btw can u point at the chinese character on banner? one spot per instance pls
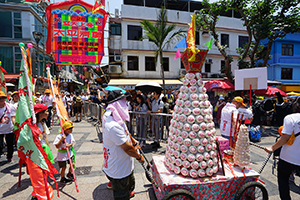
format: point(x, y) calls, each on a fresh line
point(84, 34)
point(96, 34)
point(72, 33)
point(59, 32)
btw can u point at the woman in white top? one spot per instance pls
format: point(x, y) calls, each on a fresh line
point(6, 127)
point(41, 113)
point(141, 107)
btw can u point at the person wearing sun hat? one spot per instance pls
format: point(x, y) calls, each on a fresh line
point(6, 127)
point(118, 150)
point(62, 154)
point(38, 97)
point(14, 103)
point(227, 120)
point(36, 174)
point(242, 110)
point(41, 113)
point(49, 102)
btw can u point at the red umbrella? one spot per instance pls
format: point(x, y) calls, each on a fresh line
point(219, 85)
point(270, 91)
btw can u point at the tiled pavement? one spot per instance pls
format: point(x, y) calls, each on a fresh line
point(92, 184)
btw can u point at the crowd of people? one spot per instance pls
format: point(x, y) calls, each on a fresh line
point(119, 147)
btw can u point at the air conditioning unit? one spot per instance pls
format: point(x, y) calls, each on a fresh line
point(115, 69)
point(117, 13)
point(182, 72)
point(205, 34)
point(118, 58)
point(208, 61)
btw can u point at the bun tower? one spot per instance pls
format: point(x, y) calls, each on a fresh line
point(192, 149)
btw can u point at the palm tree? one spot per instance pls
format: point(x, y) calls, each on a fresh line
point(161, 35)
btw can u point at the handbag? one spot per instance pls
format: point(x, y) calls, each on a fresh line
point(289, 142)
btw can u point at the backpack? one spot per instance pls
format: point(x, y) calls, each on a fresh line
point(78, 101)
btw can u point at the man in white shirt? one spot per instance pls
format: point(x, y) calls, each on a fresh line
point(227, 119)
point(242, 110)
point(118, 150)
point(289, 155)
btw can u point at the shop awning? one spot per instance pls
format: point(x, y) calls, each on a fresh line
point(9, 85)
point(129, 84)
point(12, 76)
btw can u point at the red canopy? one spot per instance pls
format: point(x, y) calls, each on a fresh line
point(270, 91)
point(219, 85)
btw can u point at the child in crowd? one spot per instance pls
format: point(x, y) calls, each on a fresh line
point(62, 156)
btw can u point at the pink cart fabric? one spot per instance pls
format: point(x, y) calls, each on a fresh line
point(209, 188)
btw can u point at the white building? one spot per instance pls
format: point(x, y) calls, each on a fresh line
point(134, 58)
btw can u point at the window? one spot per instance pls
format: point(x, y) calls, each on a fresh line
point(150, 64)
point(242, 41)
point(133, 63)
point(6, 56)
point(166, 64)
point(227, 13)
point(287, 49)
point(225, 40)
point(222, 64)
point(18, 58)
point(287, 73)
point(197, 38)
point(115, 29)
point(134, 32)
point(207, 67)
point(5, 24)
point(181, 65)
point(17, 25)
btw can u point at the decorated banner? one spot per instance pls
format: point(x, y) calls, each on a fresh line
point(27, 133)
point(75, 34)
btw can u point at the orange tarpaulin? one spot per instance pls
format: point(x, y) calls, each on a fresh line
point(62, 109)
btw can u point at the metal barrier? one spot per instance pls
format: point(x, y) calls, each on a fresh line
point(92, 110)
point(142, 126)
point(149, 127)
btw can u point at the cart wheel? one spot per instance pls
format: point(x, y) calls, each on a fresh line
point(149, 169)
point(252, 190)
point(180, 194)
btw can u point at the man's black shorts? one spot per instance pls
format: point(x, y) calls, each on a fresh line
point(77, 109)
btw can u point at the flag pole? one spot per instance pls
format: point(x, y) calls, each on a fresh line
point(61, 126)
point(22, 46)
point(26, 72)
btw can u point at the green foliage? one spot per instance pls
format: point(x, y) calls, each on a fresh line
point(264, 20)
point(206, 19)
point(162, 35)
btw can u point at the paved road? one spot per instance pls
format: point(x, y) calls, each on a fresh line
point(92, 181)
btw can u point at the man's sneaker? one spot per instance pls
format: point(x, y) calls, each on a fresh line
point(34, 198)
point(64, 181)
point(109, 185)
point(131, 194)
point(70, 176)
point(10, 160)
